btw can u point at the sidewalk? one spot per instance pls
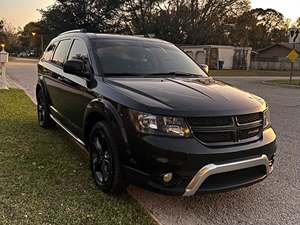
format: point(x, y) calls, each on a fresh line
point(11, 84)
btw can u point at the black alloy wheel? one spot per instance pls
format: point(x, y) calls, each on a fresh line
point(104, 160)
point(102, 164)
point(44, 118)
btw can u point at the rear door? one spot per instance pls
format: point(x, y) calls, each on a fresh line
point(54, 80)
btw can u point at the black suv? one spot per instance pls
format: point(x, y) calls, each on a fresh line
point(150, 116)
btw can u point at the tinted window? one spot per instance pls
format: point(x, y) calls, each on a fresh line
point(61, 52)
point(78, 51)
point(121, 57)
point(48, 54)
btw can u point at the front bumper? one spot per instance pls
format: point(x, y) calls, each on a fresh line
point(198, 168)
point(213, 169)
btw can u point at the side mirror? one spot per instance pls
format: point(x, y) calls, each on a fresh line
point(75, 67)
point(204, 67)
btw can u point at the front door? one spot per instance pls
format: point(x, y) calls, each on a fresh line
point(75, 94)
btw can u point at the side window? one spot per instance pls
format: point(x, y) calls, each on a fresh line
point(48, 54)
point(61, 52)
point(79, 51)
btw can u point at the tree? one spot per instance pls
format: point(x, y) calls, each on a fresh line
point(258, 28)
point(183, 21)
point(179, 21)
point(298, 22)
point(93, 15)
point(8, 36)
point(139, 15)
point(1, 24)
point(210, 26)
point(2, 34)
point(28, 41)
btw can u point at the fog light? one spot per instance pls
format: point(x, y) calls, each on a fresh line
point(168, 177)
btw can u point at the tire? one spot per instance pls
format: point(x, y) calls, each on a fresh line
point(43, 112)
point(104, 160)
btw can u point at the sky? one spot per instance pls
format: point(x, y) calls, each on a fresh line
point(20, 12)
point(289, 8)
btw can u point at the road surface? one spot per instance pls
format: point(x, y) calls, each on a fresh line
point(274, 201)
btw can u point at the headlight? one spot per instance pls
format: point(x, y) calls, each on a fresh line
point(267, 119)
point(159, 125)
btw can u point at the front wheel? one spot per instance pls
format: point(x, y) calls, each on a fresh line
point(44, 119)
point(104, 159)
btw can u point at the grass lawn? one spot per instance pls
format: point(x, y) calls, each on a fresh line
point(286, 82)
point(259, 73)
point(45, 177)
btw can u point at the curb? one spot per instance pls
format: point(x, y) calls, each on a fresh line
point(156, 220)
point(23, 60)
point(22, 88)
point(280, 85)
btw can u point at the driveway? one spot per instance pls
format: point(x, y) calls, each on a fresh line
point(274, 201)
point(24, 74)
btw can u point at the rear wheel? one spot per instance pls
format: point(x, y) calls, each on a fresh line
point(104, 159)
point(44, 119)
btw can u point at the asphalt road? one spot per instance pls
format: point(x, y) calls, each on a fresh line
point(274, 201)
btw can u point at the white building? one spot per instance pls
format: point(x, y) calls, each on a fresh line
point(215, 55)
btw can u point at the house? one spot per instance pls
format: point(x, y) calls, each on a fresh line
point(274, 57)
point(220, 56)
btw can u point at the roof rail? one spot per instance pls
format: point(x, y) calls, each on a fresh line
point(74, 31)
point(145, 35)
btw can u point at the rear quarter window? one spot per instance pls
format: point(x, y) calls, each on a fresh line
point(61, 52)
point(48, 54)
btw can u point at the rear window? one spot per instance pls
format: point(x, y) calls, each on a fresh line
point(61, 52)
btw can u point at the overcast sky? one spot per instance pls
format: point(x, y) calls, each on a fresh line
point(20, 12)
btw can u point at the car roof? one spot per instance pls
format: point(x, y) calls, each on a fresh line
point(108, 36)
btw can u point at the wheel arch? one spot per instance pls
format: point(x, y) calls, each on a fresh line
point(102, 110)
point(41, 87)
point(38, 89)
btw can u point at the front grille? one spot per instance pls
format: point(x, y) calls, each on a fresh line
point(215, 137)
point(228, 130)
point(250, 118)
point(210, 121)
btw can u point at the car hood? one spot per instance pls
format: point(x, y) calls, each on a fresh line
point(184, 96)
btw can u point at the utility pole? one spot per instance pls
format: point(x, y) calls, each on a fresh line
point(42, 44)
point(292, 66)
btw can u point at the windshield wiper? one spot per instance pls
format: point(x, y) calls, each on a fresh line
point(175, 73)
point(125, 74)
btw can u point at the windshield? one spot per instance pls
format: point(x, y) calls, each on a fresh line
point(137, 58)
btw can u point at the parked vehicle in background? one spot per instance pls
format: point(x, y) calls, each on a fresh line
point(22, 54)
point(29, 53)
point(150, 116)
point(32, 53)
